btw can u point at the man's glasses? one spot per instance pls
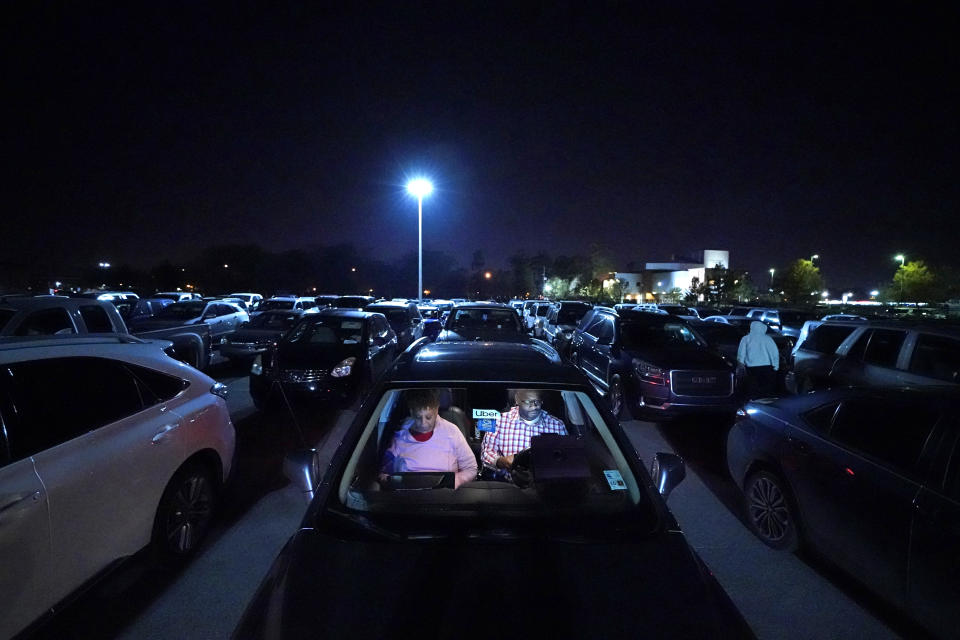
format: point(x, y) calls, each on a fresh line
point(533, 402)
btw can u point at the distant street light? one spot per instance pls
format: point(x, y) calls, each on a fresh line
point(901, 258)
point(226, 266)
point(874, 293)
point(104, 265)
point(771, 278)
point(419, 188)
point(487, 275)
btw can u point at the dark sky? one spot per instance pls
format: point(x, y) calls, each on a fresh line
point(145, 133)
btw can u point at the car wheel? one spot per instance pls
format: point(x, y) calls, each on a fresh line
point(185, 513)
point(770, 511)
point(615, 395)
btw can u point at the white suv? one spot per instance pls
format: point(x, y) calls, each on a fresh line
point(107, 445)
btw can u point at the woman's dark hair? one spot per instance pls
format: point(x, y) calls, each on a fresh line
point(418, 399)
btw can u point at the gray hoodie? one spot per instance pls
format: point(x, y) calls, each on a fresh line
point(757, 349)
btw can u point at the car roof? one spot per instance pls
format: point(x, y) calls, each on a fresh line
point(483, 305)
point(343, 313)
point(47, 302)
point(15, 349)
point(516, 363)
point(390, 304)
point(633, 315)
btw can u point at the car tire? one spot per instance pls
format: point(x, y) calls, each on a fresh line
point(184, 513)
point(771, 511)
point(615, 396)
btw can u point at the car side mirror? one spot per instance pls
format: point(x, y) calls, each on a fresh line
point(302, 469)
point(667, 470)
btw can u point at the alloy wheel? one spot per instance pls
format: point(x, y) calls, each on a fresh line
point(770, 512)
point(189, 513)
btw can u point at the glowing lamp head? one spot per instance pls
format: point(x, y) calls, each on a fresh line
point(419, 187)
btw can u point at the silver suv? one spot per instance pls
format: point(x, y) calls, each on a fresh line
point(107, 446)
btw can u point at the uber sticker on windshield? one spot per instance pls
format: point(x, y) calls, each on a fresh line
point(486, 419)
point(615, 480)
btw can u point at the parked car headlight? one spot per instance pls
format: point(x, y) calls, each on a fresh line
point(650, 373)
point(257, 367)
point(343, 369)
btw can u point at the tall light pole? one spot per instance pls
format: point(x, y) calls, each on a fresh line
point(771, 278)
point(901, 258)
point(419, 188)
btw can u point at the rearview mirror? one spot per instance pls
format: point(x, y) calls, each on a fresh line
point(667, 470)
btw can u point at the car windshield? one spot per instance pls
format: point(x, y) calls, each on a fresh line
point(274, 321)
point(577, 476)
point(571, 314)
point(496, 319)
point(327, 331)
point(396, 317)
point(351, 302)
point(675, 309)
point(168, 296)
point(796, 317)
point(181, 310)
point(647, 334)
point(268, 305)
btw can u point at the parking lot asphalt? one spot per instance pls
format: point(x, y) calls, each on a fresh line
point(781, 595)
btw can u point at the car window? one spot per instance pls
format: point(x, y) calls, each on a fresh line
point(156, 386)
point(396, 317)
point(96, 319)
point(5, 315)
point(279, 321)
point(46, 322)
point(821, 417)
point(604, 330)
point(89, 393)
point(494, 319)
point(591, 482)
point(636, 335)
point(381, 327)
point(884, 347)
point(542, 310)
point(936, 357)
point(893, 432)
point(269, 305)
point(327, 331)
point(182, 311)
point(826, 338)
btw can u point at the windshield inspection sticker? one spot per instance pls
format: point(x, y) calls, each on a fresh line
point(615, 480)
point(486, 419)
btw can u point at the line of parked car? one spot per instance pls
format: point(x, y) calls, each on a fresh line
point(868, 478)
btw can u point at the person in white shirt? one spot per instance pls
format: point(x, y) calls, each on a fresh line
point(760, 359)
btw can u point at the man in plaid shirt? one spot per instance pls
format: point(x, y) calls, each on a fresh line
point(515, 428)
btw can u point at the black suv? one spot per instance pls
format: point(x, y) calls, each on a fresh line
point(561, 322)
point(482, 321)
point(404, 319)
point(585, 513)
point(333, 356)
point(656, 365)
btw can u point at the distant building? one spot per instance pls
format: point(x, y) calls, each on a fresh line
point(658, 278)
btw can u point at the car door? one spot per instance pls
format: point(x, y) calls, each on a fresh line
point(381, 345)
point(871, 361)
point(102, 456)
point(24, 529)
point(865, 486)
point(595, 353)
point(934, 581)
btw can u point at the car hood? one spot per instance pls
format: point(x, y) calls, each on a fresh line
point(315, 356)
point(321, 586)
point(481, 335)
point(679, 357)
point(148, 325)
point(256, 335)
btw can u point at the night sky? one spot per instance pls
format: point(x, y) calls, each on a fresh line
point(138, 134)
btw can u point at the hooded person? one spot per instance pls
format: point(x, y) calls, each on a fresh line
point(760, 358)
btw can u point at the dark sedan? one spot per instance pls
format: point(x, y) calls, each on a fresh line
point(332, 356)
point(259, 334)
point(583, 546)
point(868, 479)
point(485, 322)
point(652, 364)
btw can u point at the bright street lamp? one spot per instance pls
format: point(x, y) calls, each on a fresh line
point(771, 278)
point(901, 258)
point(419, 188)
